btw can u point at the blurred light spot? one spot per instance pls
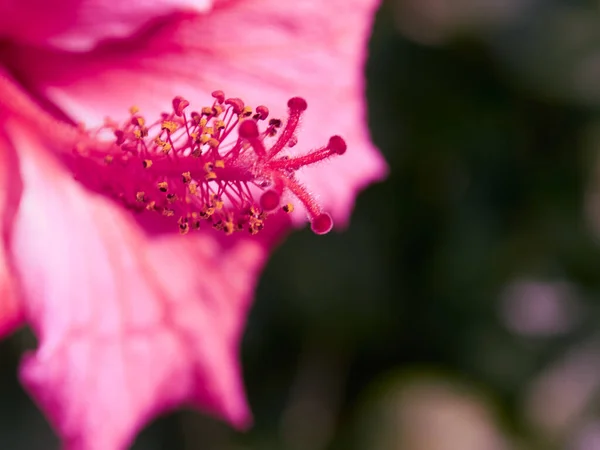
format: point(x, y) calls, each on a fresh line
point(561, 394)
point(434, 21)
point(587, 438)
point(431, 414)
point(535, 308)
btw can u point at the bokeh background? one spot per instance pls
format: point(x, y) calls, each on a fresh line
point(459, 311)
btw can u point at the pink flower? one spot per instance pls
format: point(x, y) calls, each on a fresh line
point(134, 319)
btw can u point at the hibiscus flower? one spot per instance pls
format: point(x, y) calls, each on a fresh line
point(137, 291)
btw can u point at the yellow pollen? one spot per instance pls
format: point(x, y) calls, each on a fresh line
point(288, 208)
point(204, 138)
point(140, 121)
point(184, 228)
point(213, 143)
point(169, 125)
point(208, 167)
point(218, 110)
point(193, 188)
point(210, 176)
point(203, 122)
point(151, 206)
point(186, 177)
point(134, 110)
point(254, 211)
point(247, 111)
point(147, 163)
point(219, 124)
point(228, 227)
point(171, 198)
point(207, 212)
point(162, 186)
point(209, 130)
point(220, 164)
point(140, 197)
point(168, 212)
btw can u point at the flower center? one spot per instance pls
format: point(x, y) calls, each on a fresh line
point(221, 165)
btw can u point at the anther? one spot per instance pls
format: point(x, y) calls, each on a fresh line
point(262, 112)
point(219, 96)
point(179, 104)
point(236, 104)
point(297, 104)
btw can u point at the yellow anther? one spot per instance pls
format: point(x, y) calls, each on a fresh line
point(147, 163)
point(247, 111)
point(288, 208)
point(193, 188)
point(210, 176)
point(168, 212)
point(209, 166)
point(151, 206)
point(164, 145)
point(216, 202)
point(213, 143)
point(184, 228)
point(207, 110)
point(171, 198)
point(137, 134)
point(139, 121)
point(204, 138)
point(134, 110)
point(219, 124)
point(220, 164)
point(228, 227)
point(186, 177)
point(203, 122)
point(140, 197)
point(217, 110)
point(207, 212)
point(169, 125)
point(162, 186)
point(209, 130)
point(254, 211)
point(108, 159)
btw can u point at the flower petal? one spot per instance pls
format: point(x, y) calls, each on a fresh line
point(78, 25)
point(264, 51)
point(128, 327)
point(10, 192)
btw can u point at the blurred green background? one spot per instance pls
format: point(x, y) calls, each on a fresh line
point(460, 309)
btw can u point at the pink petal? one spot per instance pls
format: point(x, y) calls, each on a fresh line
point(10, 192)
point(264, 51)
point(127, 327)
point(78, 25)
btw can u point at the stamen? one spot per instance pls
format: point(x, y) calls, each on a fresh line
point(215, 165)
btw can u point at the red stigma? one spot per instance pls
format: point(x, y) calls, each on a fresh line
point(270, 200)
point(214, 165)
point(322, 224)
